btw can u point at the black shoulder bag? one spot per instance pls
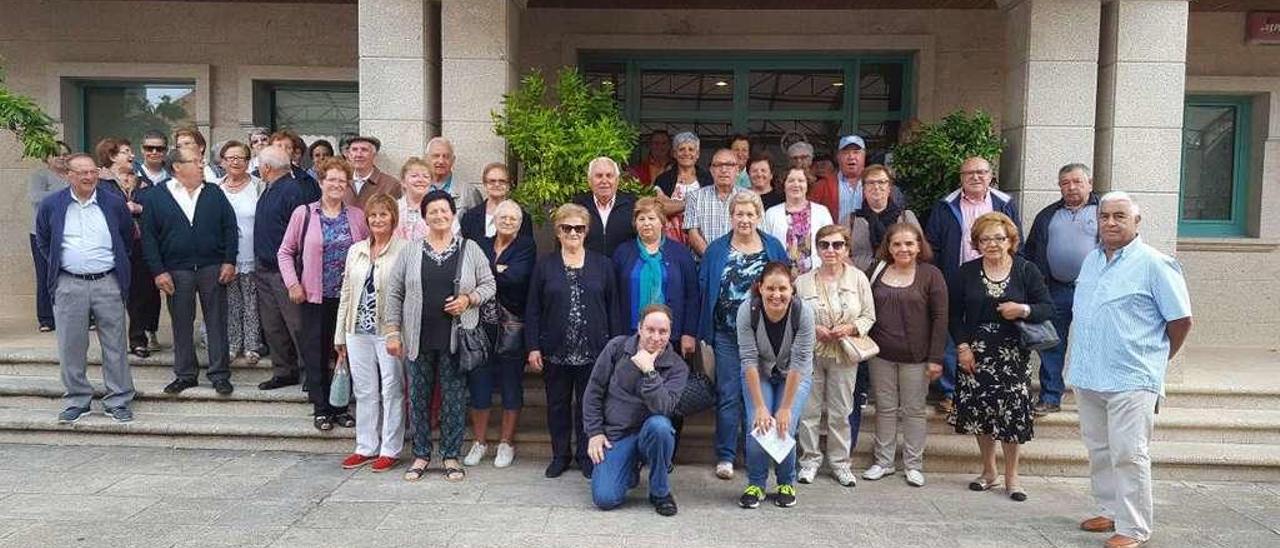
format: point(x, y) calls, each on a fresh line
point(473, 343)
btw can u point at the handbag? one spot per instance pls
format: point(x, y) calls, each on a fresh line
point(699, 394)
point(340, 387)
point(473, 343)
point(1038, 335)
point(859, 348)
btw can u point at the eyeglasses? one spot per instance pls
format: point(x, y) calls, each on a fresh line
point(993, 240)
point(259, 141)
point(496, 182)
point(153, 148)
point(724, 165)
point(572, 229)
point(825, 245)
point(870, 182)
point(234, 158)
point(83, 173)
point(973, 172)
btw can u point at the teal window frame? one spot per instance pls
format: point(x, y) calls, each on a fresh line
point(1237, 225)
point(740, 115)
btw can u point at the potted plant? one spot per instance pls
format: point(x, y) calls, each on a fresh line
point(928, 163)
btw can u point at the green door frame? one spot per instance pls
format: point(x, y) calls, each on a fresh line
point(1237, 224)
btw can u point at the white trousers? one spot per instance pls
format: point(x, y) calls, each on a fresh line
point(1116, 427)
point(377, 380)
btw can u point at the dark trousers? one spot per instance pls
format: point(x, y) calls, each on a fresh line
point(281, 322)
point(44, 304)
point(860, 387)
point(144, 299)
point(316, 344)
point(187, 286)
point(565, 385)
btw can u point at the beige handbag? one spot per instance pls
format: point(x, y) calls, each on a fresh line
point(859, 348)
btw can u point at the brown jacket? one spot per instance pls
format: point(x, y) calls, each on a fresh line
point(378, 183)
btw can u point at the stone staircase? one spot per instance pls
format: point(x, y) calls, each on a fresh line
point(1205, 430)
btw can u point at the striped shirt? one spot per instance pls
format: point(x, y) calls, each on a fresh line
point(1118, 340)
point(705, 211)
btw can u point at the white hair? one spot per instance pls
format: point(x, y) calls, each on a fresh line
point(513, 207)
point(1121, 196)
point(800, 148)
point(603, 159)
point(686, 137)
point(273, 158)
point(442, 142)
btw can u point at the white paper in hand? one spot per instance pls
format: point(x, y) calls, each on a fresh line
point(777, 448)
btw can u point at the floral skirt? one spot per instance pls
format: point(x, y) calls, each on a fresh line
point(995, 400)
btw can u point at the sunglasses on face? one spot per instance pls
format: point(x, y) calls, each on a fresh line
point(152, 148)
point(825, 245)
point(573, 229)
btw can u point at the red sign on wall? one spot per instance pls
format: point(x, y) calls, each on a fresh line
point(1263, 27)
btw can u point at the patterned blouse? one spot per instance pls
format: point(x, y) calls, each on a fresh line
point(798, 241)
point(574, 350)
point(367, 309)
point(337, 240)
point(740, 272)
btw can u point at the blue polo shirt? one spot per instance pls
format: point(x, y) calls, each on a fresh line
point(1118, 340)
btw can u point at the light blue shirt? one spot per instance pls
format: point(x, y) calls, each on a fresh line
point(850, 198)
point(744, 180)
point(86, 238)
point(1118, 339)
point(1072, 236)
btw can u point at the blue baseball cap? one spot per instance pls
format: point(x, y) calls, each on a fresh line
point(848, 140)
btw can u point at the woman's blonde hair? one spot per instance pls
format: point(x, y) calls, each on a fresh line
point(386, 202)
point(995, 218)
point(748, 198)
point(567, 211)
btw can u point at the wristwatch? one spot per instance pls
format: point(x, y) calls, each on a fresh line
point(651, 374)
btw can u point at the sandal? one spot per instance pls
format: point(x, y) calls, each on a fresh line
point(140, 351)
point(982, 484)
point(415, 473)
point(344, 420)
point(454, 473)
point(323, 423)
point(1016, 493)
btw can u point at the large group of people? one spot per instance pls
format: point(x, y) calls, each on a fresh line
point(809, 291)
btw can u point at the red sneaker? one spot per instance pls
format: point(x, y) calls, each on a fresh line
point(356, 460)
point(382, 464)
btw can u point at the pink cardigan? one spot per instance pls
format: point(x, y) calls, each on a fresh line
point(313, 249)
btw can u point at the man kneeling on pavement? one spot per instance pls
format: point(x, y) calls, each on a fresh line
point(626, 408)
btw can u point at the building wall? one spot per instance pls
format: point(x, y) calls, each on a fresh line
point(271, 40)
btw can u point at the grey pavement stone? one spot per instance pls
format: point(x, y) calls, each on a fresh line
point(303, 488)
point(46, 457)
point(254, 513)
point(347, 515)
point(344, 538)
point(161, 461)
point(474, 517)
point(265, 463)
point(496, 539)
point(232, 536)
point(80, 534)
point(184, 511)
point(319, 466)
point(72, 507)
point(11, 526)
point(389, 487)
point(56, 482)
point(214, 487)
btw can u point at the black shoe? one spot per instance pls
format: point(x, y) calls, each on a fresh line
point(178, 385)
point(1041, 409)
point(72, 414)
point(277, 382)
point(587, 468)
point(223, 387)
point(665, 506)
point(140, 351)
point(556, 468)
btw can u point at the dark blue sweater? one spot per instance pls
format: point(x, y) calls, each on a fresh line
point(513, 281)
point(471, 225)
point(275, 206)
point(943, 231)
point(170, 242)
point(547, 312)
point(51, 219)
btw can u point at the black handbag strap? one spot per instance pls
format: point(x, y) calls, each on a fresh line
point(457, 276)
point(302, 241)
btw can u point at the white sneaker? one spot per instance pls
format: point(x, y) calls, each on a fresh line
point(506, 455)
point(724, 470)
point(915, 478)
point(844, 477)
point(876, 472)
point(475, 454)
point(806, 474)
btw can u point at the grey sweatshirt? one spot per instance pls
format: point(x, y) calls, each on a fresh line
point(619, 398)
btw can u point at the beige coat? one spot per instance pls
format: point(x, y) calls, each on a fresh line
point(850, 303)
point(358, 264)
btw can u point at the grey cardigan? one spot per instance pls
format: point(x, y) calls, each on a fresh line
point(755, 350)
point(404, 293)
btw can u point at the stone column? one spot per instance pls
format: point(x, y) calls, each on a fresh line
point(1141, 91)
point(1050, 92)
point(399, 75)
point(479, 45)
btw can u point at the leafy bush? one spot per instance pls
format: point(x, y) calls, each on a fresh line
point(929, 163)
point(33, 128)
point(553, 140)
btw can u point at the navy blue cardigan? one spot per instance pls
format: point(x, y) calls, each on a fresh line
point(170, 242)
point(275, 207)
point(547, 312)
point(712, 273)
point(1036, 249)
point(943, 231)
point(513, 281)
point(621, 229)
point(471, 224)
point(51, 217)
point(679, 280)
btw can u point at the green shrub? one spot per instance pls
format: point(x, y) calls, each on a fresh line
point(928, 164)
point(33, 128)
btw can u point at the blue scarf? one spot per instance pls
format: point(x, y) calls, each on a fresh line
point(650, 277)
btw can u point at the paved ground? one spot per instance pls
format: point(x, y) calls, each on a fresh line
point(121, 496)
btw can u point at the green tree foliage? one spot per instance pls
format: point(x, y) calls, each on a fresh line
point(554, 139)
point(33, 128)
point(929, 163)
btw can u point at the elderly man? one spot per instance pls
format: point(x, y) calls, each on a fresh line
point(287, 141)
point(947, 231)
point(367, 180)
point(706, 213)
point(626, 410)
point(441, 157)
point(1061, 237)
point(152, 170)
point(800, 155)
point(740, 144)
point(189, 240)
point(83, 235)
point(1132, 314)
point(842, 194)
point(610, 211)
point(279, 316)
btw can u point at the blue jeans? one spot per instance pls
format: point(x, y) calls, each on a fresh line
point(1053, 359)
point(757, 459)
point(860, 388)
point(503, 374)
point(619, 471)
point(947, 382)
point(729, 391)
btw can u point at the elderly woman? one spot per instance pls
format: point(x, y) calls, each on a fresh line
point(415, 178)
point(796, 222)
point(760, 171)
point(43, 182)
point(776, 337)
point(312, 258)
point(911, 330)
point(992, 398)
point(572, 311)
point(840, 297)
point(511, 255)
point(656, 270)
point(437, 285)
point(481, 222)
point(377, 377)
point(731, 265)
point(318, 152)
point(242, 190)
point(878, 211)
point(115, 166)
point(679, 181)
point(115, 156)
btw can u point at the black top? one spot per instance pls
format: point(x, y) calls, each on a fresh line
point(667, 180)
point(972, 305)
point(517, 262)
point(471, 224)
point(775, 330)
point(436, 323)
point(772, 198)
point(605, 239)
point(878, 223)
